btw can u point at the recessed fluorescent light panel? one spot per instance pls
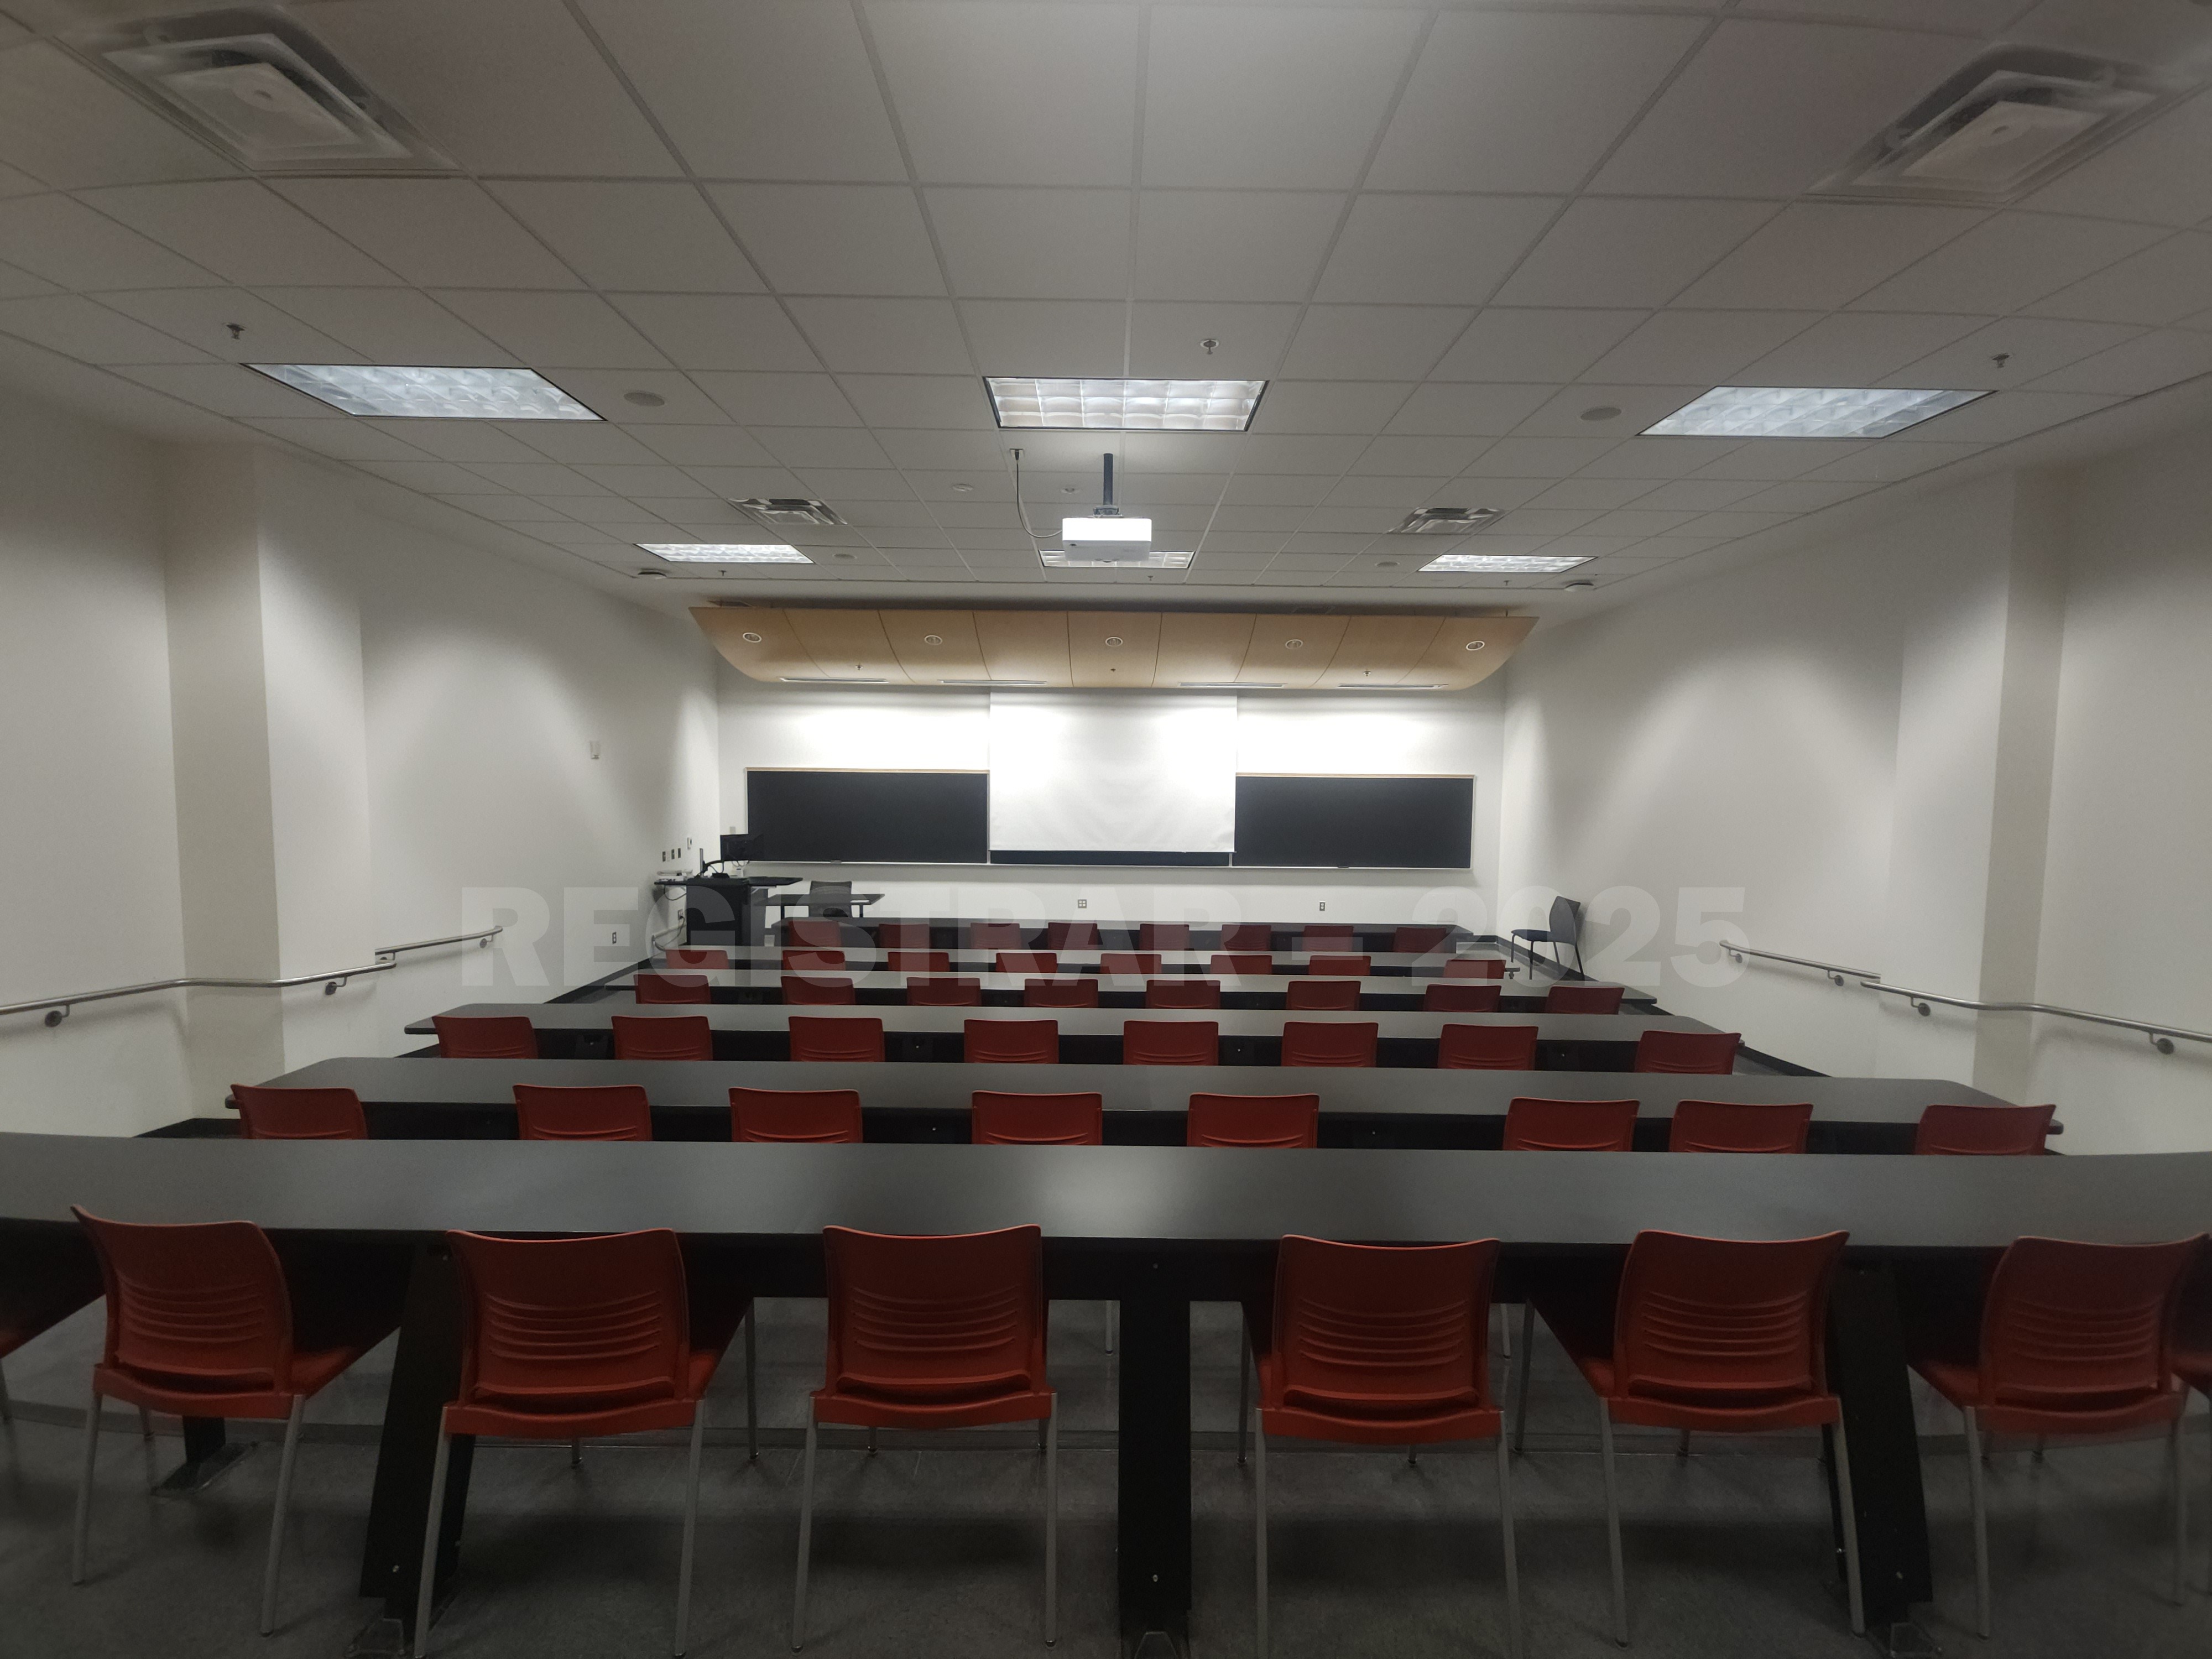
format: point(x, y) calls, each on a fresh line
point(443, 394)
point(726, 552)
point(1158, 559)
point(1506, 564)
point(1775, 411)
point(1126, 405)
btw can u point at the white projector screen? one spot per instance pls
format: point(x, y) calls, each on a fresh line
point(1087, 777)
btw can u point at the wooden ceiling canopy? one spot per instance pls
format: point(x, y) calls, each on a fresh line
point(1135, 650)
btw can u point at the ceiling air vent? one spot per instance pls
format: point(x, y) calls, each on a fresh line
point(2013, 119)
point(266, 92)
point(1445, 520)
point(782, 511)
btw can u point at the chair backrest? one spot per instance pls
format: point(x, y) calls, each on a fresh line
point(1328, 938)
point(484, 1036)
point(663, 1036)
point(1170, 1042)
point(1486, 1048)
point(1332, 1042)
point(1000, 1119)
point(1253, 1120)
point(1336, 993)
point(1462, 997)
point(809, 990)
point(994, 936)
point(1711, 1053)
point(828, 1115)
point(196, 1306)
point(2000, 1131)
point(1239, 963)
point(1724, 1322)
point(557, 1325)
point(265, 1113)
point(918, 962)
point(1011, 1042)
point(831, 1038)
point(812, 962)
point(698, 957)
point(597, 1111)
point(1582, 1000)
point(1182, 992)
point(829, 890)
point(1027, 961)
point(1475, 968)
point(1071, 935)
point(1738, 1126)
point(902, 935)
point(1129, 961)
point(1060, 993)
point(2088, 1324)
point(943, 992)
point(812, 930)
point(1163, 936)
point(1362, 1331)
point(1565, 924)
point(1340, 967)
point(1249, 936)
point(1420, 941)
point(673, 987)
point(936, 1319)
point(1570, 1125)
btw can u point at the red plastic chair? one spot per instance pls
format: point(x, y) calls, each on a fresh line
point(265, 1113)
point(1570, 1125)
point(824, 1116)
point(1163, 936)
point(994, 936)
point(663, 1036)
point(606, 1111)
point(902, 935)
point(1249, 936)
point(1582, 1000)
point(576, 1340)
point(1708, 1053)
point(1420, 941)
point(1129, 961)
point(673, 989)
point(1182, 993)
point(1239, 963)
point(1170, 1042)
point(944, 993)
point(1328, 938)
point(200, 1324)
point(1027, 961)
point(1337, 1042)
point(802, 990)
point(1983, 1131)
point(831, 1039)
point(1253, 1120)
point(1475, 968)
point(813, 962)
point(1465, 997)
point(1340, 967)
point(484, 1036)
point(918, 962)
point(941, 1332)
point(998, 1119)
point(1486, 1048)
point(704, 959)
point(1379, 1347)
point(1071, 936)
point(1337, 995)
point(813, 930)
point(2074, 1340)
point(1060, 993)
point(1011, 1042)
point(1703, 1334)
point(1738, 1126)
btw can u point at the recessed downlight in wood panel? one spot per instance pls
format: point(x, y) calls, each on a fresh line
point(1448, 663)
point(1113, 648)
point(1292, 651)
point(762, 644)
point(935, 646)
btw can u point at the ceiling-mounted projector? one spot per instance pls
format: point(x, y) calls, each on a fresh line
point(1103, 534)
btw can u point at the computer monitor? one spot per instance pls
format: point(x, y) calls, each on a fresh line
point(736, 849)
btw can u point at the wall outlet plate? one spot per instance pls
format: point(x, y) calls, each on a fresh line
point(1083, 904)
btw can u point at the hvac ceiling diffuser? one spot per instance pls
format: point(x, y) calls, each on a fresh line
point(1445, 520)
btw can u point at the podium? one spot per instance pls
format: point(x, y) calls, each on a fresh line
point(727, 909)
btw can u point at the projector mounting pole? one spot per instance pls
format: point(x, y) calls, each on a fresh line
point(1109, 510)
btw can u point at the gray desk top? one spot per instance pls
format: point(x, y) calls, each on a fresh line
point(866, 977)
point(1080, 959)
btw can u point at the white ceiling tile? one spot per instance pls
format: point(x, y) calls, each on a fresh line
point(466, 443)
point(1886, 462)
point(1639, 521)
point(227, 389)
point(975, 487)
point(659, 238)
point(2144, 364)
point(1329, 405)
point(1802, 496)
point(1153, 451)
point(836, 484)
point(870, 516)
point(697, 63)
point(918, 400)
point(342, 440)
point(90, 331)
point(580, 440)
point(1414, 456)
point(1034, 244)
point(2155, 174)
point(1659, 457)
point(727, 461)
point(779, 399)
point(391, 326)
point(66, 242)
point(939, 450)
point(18, 284)
point(2161, 285)
point(1774, 458)
point(696, 510)
point(540, 478)
point(1543, 520)
point(1698, 495)
point(1371, 342)
point(1956, 16)
point(1432, 250)
point(555, 330)
point(241, 229)
point(573, 536)
point(602, 391)
point(62, 122)
point(833, 239)
point(1857, 349)
point(1598, 493)
point(15, 182)
point(807, 448)
point(994, 93)
point(1827, 253)
point(1277, 98)
point(1279, 489)
point(1570, 412)
point(1047, 336)
point(1523, 101)
point(1400, 494)
point(2031, 346)
point(1731, 524)
point(1233, 245)
point(1615, 253)
point(500, 86)
point(1546, 347)
point(2003, 415)
point(638, 483)
point(437, 232)
point(719, 331)
point(1166, 490)
point(507, 509)
point(1169, 339)
point(1472, 491)
point(203, 317)
point(1771, 108)
point(434, 478)
point(1258, 520)
point(1362, 520)
point(884, 337)
point(1537, 458)
point(1681, 346)
point(2006, 262)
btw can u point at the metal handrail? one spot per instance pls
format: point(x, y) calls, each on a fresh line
point(57, 1008)
point(2161, 1036)
point(1831, 970)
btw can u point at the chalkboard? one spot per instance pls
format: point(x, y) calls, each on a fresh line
point(870, 818)
point(1355, 823)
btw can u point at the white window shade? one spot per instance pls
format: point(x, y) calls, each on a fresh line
point(1107, 773)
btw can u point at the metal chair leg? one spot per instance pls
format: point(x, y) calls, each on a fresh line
point(1113, 1326)
point(1052, 1524)
point(1512, 1555)
point(1854, 1586)
point(146, 1425)
point(428, 1581)
point(872, 1443)
point(1504, 1331)
point(576, 1453)
point(2180, 1504)
point(752, 1393)
point(1981, 1524)
point(84, 1490)
point(1682, 1444)
point(1259, 1534)
point(806, 1536)
point(1243, 1391)
point(7, 1405)
point(1613, 1527)
point(690, 1530)
point(1521, 1377)
point(283, 1506)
